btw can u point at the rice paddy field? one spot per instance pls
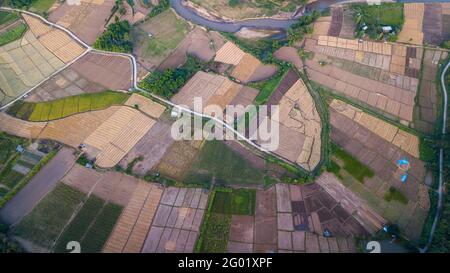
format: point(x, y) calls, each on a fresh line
point(33, 45)
point(66, 214)
point(48, 219)
point(91, 226)
point(224, 203)
point(8, 157)
point(61, 108)
point(41, 6)
point(7, 17)
point(216, 160)
point(156, 38)
point(12, 34)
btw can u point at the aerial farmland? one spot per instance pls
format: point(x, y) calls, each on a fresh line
point(92, 95)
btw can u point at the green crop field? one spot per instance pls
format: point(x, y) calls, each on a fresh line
point(46, 221)
point(267, 87)
point(41, 6)
point(12, 34)
point(61, 108)
point(91, 226)
point(7, 18)
point(79, 225)
point(102, 227)
point(217, 160)
point(240, 201)
point(167, 30)
point(355, 168)
point(216, 233)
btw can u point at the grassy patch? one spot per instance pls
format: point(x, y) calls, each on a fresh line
point(12, 34)
point(217, 160)
point(41, 6)
point(267, 87)
point(61, 108)
point(7, 17)
point(241, 202)
point(48, 218)
point(377, 16)
point(394, 194)
point(352, 165)
point(173, 32)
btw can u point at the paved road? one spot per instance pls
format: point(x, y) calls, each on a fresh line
point(41, 184)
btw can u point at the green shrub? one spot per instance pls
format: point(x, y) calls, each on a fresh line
point(162, 6)
point(167, 83)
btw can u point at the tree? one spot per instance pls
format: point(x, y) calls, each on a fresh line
point(116, 37)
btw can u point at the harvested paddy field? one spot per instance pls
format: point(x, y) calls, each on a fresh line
point(299, 122)
point(214, 90)
point(21, 128)
point(157, 37)
point(178, 159)
point(115, 137)
point(379, 145)
point(64, 84)
point(322, 25)
point(74, 129)
point(376, 75)
point(146, 105)
point(152, 147)
point(50, 48)
point(109, 134)
point(247, 67)
point(113, 72)
point(337, 15)
point(177, 221)
point(283, 218)
point(130, 232)
point(412, 27)
point(426, 109)
point(111, 186)
point(87, 20)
